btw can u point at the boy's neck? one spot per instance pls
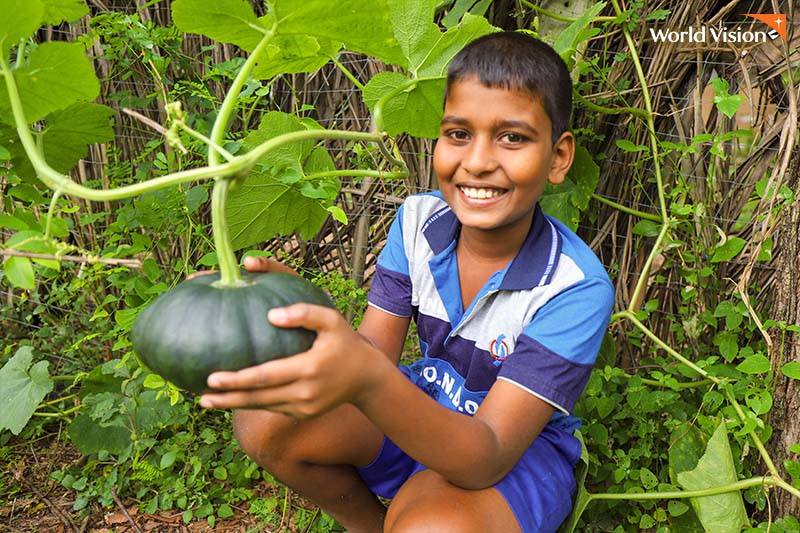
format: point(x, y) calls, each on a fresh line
point(498, 246)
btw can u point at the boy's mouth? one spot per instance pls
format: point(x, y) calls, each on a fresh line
point(480, 193)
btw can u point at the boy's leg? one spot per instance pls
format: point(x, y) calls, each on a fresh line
point(429, 503)
point(534, 497)
point(314, 456)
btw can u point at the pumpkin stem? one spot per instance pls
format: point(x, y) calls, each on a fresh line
point(228, 264)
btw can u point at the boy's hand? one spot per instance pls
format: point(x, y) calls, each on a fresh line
point(334, 371)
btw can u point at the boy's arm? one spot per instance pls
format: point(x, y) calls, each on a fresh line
point(471, 452)
point(385, 331)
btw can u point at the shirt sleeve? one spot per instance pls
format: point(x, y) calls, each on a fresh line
point(391, 285)
point(555, 354)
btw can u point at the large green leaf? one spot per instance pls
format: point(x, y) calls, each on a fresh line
point(416, 110)
point(362, 26)
point(58, 11)
point(291, 54)
point(66, 137)
point(578, 32)
point(227, 21)
point(566, 201)
point(23, 386)
point(721, 513)
point(19, 21)
point(71, 131)
point(688, 445)
point(91, 437)
point(276, 198)
point(414, 29)
point(56, 75)
point(427, 49)
point(451, 42)
point(582, 497)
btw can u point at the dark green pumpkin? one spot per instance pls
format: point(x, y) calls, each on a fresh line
point(197, 328)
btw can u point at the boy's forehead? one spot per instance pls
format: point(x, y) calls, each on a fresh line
point(517, 90)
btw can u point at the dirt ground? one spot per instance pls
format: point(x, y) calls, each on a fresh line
point(30, 501)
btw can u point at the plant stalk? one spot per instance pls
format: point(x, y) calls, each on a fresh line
point(711, 491)
point(228, 265)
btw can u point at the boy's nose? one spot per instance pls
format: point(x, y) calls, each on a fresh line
point(480, 159)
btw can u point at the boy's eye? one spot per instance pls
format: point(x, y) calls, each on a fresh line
point(457, 135)
point(513, 138)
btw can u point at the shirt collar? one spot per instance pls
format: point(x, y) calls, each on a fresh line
point(534, 264)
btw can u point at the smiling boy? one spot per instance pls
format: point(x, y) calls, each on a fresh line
point(510, 307)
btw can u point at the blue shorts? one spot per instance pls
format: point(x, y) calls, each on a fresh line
point(538, 489)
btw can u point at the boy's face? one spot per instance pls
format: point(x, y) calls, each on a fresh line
point(495, 155)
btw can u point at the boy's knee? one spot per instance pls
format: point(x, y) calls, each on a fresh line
point(429, 503)
point(262, 435)
point(428, 518)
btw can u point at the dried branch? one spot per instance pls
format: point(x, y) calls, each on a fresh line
point(131, 263)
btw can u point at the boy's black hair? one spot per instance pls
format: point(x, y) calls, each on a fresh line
point(518, 61)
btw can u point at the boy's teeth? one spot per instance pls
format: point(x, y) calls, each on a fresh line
point(479, 193)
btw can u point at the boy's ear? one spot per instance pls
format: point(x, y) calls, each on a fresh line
point(563, 153)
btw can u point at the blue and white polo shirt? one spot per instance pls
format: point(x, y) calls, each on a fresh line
point(538, 323)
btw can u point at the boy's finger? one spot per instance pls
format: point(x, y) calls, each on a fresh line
point(200, 273)
point(240, 399)
point(271, 374)
point(309, 316)
point(265, 264)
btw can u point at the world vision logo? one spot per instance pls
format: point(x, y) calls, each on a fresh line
point(726, 34)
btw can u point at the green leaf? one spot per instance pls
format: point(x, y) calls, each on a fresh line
point(728, 250)
point(688, 445)
point(19, 21)
point(227, 21)
point(791, 370)
point(569, 39)
point(293, 54)
point(56, 75)
point(13, 223)
point(338, 213)
point(647, 228)
point(275, 199)
point(755, 364)
point(459, 8)
point(728, 343)
point(566, 201)
point(195, 197)
point(434, 61)
point(648, 478)
point(19, 272)
point(364, 28)
point(417, 110)
point(168, 459)
point(414, 29)
point(728, 104)
point(58, 11)
point(582, 497)
point(225, 511)
point(721, 513)
point(677, 507)
point(69, 133)
point(23, 386)
point(627, 146)
point(90, 437)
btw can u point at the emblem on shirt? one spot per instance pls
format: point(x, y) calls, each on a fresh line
point(499, 349)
